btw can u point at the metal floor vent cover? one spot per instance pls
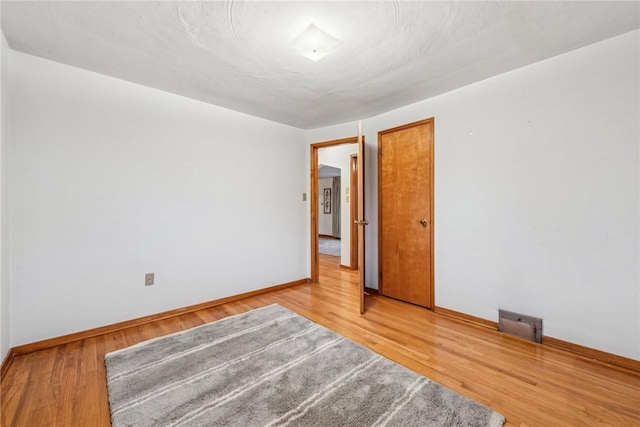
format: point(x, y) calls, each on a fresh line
point(520, 325)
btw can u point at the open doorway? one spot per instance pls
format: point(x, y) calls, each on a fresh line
point(334, 200)
point(332, 187)
point(329, 208)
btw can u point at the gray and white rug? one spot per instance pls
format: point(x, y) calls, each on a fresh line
point(329, 246)
point(271, 367)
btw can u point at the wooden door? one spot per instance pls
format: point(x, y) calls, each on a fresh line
point(362, 222)
point(353, 212)
point(405, 173)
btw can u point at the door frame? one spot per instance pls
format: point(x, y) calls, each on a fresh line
point(314, 191)
point(431, 205)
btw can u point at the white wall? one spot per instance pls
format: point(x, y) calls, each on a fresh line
point(111, 180)
point(325, 222)
point(4, 217)
point(340, 157)
point(536, 197)
point(536, 194)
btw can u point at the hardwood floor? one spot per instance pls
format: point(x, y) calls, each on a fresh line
point(529, 384)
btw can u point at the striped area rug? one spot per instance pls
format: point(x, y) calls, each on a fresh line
point(271, 367)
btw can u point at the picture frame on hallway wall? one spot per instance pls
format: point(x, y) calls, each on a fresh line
point(327, 201)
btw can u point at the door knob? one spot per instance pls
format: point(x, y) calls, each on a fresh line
point(424, 222)
point(361, 222)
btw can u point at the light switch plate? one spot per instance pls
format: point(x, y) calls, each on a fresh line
point(149, 279)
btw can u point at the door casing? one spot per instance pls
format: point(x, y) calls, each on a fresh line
point(314, 191)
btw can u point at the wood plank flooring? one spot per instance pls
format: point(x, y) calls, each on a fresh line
point(529, 384)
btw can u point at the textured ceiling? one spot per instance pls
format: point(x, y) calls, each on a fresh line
point(237, 55)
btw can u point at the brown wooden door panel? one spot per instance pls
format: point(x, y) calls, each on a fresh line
point(360, 196)
point(405, 198)
point(353, 212)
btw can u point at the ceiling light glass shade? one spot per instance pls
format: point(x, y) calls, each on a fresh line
point(315, 43)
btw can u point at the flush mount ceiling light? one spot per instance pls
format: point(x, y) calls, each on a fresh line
point(314, 43)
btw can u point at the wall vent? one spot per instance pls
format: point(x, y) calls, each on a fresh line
point(520, 325)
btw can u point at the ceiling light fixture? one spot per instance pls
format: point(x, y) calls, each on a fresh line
point(314, 43)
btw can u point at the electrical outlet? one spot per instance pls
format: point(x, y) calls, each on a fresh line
point(148, 279)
